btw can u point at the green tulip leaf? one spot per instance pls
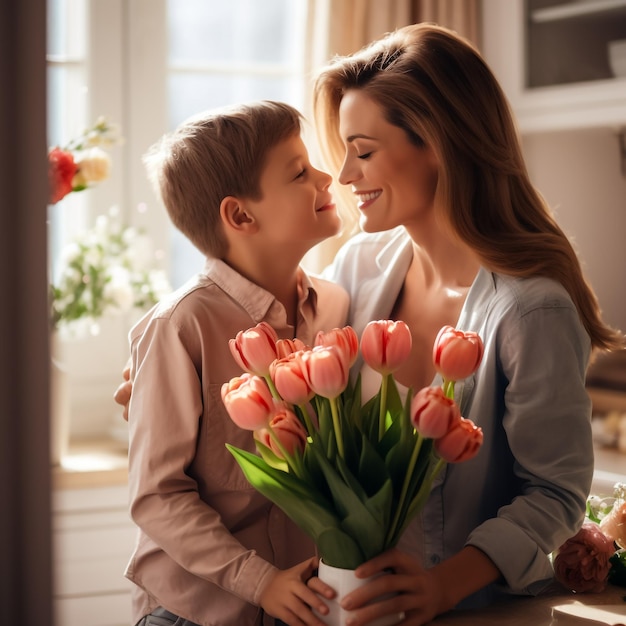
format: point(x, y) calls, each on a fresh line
point(267, 454)
point(338, 549)
point(305, 506)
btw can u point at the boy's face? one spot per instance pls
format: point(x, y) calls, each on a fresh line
point(296, 209)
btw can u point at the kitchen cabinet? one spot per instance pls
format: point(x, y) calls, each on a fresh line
point(93, 538)
point(551, 57)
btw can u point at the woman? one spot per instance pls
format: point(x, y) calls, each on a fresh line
point(418, 127)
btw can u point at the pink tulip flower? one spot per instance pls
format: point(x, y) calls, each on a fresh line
point(254, 349)
point(457, 354)
point(386, 345)
point(461, 442)
point(326, 370)
point(582, 562)
point(613, 525)
point(249, 401)
point(432, 413)
point(345, 338)
point(290, 380)
point(289, 431)
point(285, 347)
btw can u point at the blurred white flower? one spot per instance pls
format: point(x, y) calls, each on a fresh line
point(94, 166)
point(109, 270)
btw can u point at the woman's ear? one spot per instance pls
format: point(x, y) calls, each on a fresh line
point(236, 215)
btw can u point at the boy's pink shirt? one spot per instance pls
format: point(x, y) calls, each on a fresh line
point(207, 540)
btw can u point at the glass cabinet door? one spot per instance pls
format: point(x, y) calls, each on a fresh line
point(569, 41)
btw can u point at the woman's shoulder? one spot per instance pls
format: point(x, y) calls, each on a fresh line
point(528, 293)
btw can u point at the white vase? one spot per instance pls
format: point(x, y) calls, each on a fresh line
point(343, 581)
point(59, 404)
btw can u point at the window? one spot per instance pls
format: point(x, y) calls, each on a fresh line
point(225, 52)
point(147, 65)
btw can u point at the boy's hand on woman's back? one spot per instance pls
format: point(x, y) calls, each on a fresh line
point(123, 392)
point(288, 598)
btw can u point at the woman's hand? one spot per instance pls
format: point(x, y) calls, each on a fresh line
point(419, 594)
point(410, 592)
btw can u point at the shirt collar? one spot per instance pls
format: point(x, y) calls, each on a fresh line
point(397, 252)
point(259, 303)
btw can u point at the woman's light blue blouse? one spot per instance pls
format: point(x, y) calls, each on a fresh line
point(525, 492)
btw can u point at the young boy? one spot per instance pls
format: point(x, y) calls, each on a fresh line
point(211, 550)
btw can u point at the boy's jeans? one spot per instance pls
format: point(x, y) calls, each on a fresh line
point(161, 617)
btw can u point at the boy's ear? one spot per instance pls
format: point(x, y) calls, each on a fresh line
point(235, 215)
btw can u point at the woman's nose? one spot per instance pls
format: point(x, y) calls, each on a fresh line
point(348, 172)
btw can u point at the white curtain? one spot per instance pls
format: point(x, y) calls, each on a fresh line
point(25, 564)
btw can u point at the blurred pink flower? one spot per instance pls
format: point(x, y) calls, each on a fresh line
point(386, 345)
point(582, 562)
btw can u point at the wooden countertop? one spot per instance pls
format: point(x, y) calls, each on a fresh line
point(540, 610)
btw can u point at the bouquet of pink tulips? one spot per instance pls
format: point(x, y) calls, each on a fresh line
point(351, 475)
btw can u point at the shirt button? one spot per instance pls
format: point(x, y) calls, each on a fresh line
point(434, 559)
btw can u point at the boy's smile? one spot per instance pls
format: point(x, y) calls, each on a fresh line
point(296, 207)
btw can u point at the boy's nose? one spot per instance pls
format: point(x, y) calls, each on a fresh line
point(325, 179)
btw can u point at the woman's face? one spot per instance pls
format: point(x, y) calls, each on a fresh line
point(393, 179)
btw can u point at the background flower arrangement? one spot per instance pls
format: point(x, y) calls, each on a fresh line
point(350, 474)
point(82, 162)
point(110, 268)
point(596, 555)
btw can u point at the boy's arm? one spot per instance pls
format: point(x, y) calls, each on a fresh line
point(164, 426)
point(124, 391)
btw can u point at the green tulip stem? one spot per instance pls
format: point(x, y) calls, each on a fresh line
point(405, 485)
point(438, 467)
point(291, 460)
point(448, 389)
point(272, 386)
point(382, 412)
point(337, 426)
point(307, 419)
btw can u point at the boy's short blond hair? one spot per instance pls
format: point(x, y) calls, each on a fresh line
point(212, 155)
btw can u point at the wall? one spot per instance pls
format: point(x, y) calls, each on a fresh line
point(579, 174)
point(25, 561)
